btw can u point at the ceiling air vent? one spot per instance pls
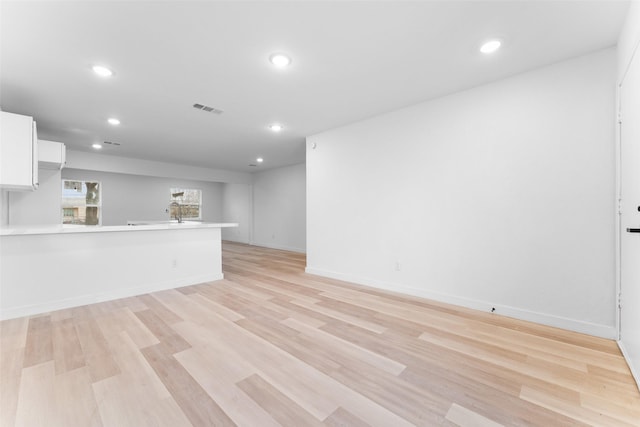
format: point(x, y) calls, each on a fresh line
point(112, 143)
point(207, 108)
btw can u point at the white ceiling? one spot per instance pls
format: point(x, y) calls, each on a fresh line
point(351, 60)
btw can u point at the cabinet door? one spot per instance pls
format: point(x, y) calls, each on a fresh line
point(34, 156)
point(18, 152)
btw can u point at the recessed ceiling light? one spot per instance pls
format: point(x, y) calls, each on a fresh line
point(113, 121)
point(259, 160)
point(276, 127)
point(97, 146)
point(102, 71)
point(490, 46)
point(280, 60)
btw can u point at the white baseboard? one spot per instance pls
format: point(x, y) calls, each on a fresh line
point(243, 241)
point(40, 308)
point(632, 367)
point(281, 247)
point(597, 330)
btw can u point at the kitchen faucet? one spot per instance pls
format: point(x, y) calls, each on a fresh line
point(178, 212)
point(178, 205)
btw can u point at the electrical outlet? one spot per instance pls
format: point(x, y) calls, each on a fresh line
point(174, 263)
point(397, 265)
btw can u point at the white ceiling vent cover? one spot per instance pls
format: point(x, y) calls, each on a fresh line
point(207, 109)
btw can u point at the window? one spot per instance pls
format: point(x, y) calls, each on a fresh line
point(81, 202)
point(186, 201)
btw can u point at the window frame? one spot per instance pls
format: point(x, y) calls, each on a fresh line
point(172, 199)
point(98, 205)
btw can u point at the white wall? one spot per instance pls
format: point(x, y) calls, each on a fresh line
point(500, 196)
point(236, 207)
point(134, 197)
point(629, 343)
point(279, 203)
point(4, 208)
point(125, 165)
point(37, 207)
point(629, 37)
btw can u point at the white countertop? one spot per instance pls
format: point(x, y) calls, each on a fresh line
point(148, 226)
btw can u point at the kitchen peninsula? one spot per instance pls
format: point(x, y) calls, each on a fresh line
point(54, 267)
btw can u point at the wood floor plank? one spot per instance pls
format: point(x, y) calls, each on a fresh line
point(13, 339)
point(365, 324)
point(162, 332)
point(343, 418)
point(13, 333)
point(419, 407)
point(225, 355)
point(75, 402)
point(67, 351)
point(37, 390)
point(487, 401)
point(39, 345)
point(213, 306)
point(160, 309)
point(121, 405)
point(542, 398)
point(136, 395)
point(10, 377)
point(626, 413)
point(275, 290)
point(60, 315)
point(244, 303)
point(194, 401)
point(63, 400)
point(218, 377)
point(467, 418)
point(97, 354)
point(356, 353)
point(134, 367)
point(123, 319)
point(573, 379)
point(278, 367)
point(279, 406)
point(134, 304)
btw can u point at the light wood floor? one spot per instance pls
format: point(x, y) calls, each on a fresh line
point(270, 346)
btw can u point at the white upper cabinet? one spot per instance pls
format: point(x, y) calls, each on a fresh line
point(51, 155)
point(18, 152)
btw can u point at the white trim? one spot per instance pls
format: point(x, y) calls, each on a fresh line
point(84, 183)
point(280, 247)
point(603, 331)
point(632, 368)
point(177, 189)
point(618, 223)
point(29, 310)
point(252, 212)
